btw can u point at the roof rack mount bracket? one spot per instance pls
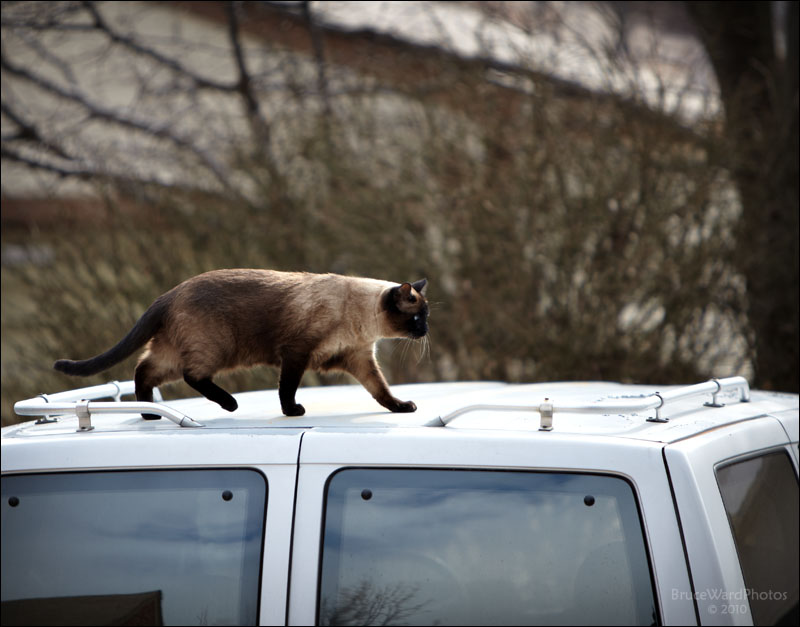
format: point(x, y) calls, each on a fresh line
point(46, 418)
point(658, 417)
point(84, 417)
point(714, 402)
point(546, 415)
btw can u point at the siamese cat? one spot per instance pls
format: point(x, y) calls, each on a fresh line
point(226, 319)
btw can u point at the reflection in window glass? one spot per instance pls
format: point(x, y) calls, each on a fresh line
point(148, 547)
point(761, 497)
point(426, 547)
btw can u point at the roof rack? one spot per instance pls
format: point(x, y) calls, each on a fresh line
point(623, 404)
point(83, 402)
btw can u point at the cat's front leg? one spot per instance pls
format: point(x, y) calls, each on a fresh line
point(292, 369)
point(399, 406)
point(363, 366)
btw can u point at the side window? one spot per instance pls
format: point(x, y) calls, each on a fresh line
point(761, 498)
point(427, 547)
point(172, 547)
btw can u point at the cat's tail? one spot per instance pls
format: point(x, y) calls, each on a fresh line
point(137, 337)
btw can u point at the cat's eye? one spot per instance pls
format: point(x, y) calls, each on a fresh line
point(416, 317)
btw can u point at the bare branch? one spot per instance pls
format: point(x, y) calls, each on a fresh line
point(245, 83)
point(199, 81)
point(319, 55)
point(84, 173)
point(13, 155)
point(28, 132)
point(109, 115)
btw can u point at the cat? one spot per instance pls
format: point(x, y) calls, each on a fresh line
point(226, 319)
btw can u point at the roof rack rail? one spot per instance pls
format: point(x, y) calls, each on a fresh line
point(82, 402)
point(625, 404)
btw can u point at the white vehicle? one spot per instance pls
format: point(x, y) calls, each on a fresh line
point(494, 503)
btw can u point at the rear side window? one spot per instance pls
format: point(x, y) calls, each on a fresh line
point(761, 498)
point(447, 547)
point(145, 547)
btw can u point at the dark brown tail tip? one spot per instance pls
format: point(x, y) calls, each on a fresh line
point(63, 365)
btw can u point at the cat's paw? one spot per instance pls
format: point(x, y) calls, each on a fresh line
point(294, 410)
point(405, 407)
point(229, 404)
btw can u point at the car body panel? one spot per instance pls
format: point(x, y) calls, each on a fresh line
point(669, 464)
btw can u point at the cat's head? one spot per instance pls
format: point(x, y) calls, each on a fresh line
point(406, 310)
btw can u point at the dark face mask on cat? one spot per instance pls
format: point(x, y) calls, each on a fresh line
point(418, 324)
point(408, 309)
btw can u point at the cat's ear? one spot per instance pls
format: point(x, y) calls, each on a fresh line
point(404, 297)
point(420, 286)
point(402, 292)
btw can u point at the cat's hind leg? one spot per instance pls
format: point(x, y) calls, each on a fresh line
point(212, 391)
point(150, 373)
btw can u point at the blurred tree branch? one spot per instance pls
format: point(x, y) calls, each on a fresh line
point(200, 82)
point(86, 18)
point(98, 112)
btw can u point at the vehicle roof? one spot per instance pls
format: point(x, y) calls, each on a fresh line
point(473, 406)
